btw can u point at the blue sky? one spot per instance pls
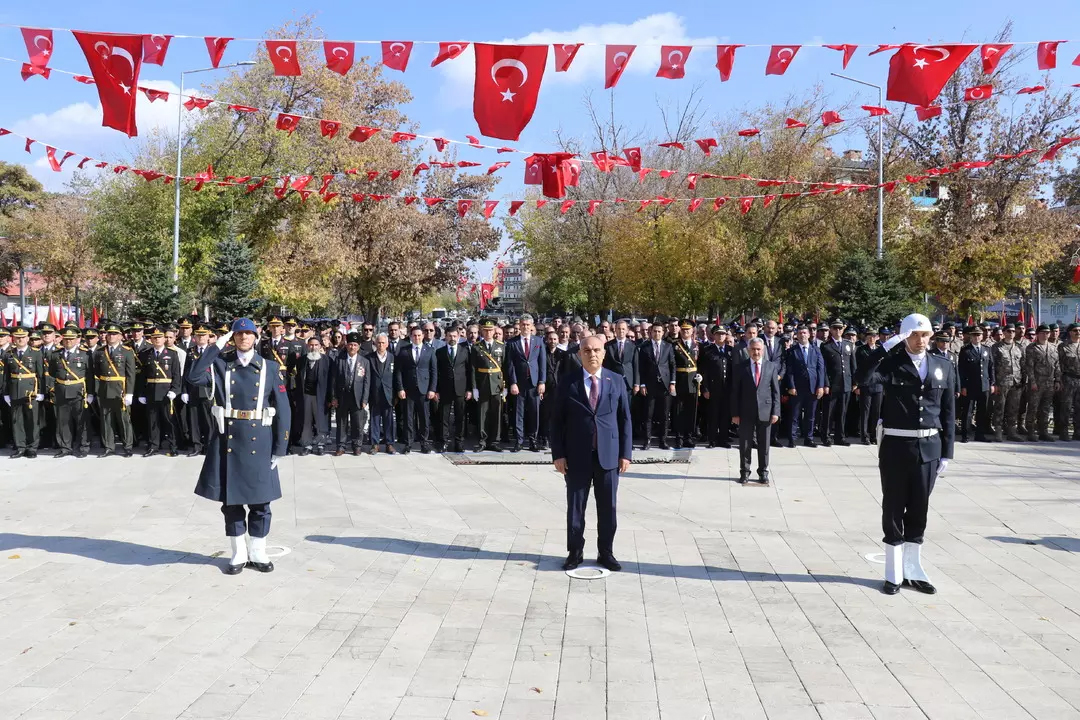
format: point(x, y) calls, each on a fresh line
point(64, 113)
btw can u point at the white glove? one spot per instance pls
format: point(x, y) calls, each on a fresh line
point(274, 461)
point(142, 400)
point(223, 340)
point(697, 378)
point(184, 397)
point(171, 395)
point(89, 399)
point(896, 340)
point(40, 398)
point(127, 400)
point(942, 464)
point(7, 399)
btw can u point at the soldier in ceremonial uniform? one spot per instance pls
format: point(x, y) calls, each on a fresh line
point(687, 383)
point(251, 433)
point(1008, 363)
point(1042, 371)
point(976, 372)
point(197, 398)
point(5, 409)
point(918, 418)
point(161, 385)
point(184, 339)
point(115, 370)
point(715, 363)
point(73, 390)
point(486, 357)
point(1069, 357)
point(24, 384)
point(47, 411)
point(839, 356)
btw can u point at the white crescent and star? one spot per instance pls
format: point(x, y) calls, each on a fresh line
point(397, 45)
point(344, 51)
point(507, 95)
point(921, 63)
point(615, 60)
point(46, 48)
point(977, 93)
point(674, 63)
point(287, 55)
point(454, 49)
point(991, 51)
point(157, 43)
point(780, 54)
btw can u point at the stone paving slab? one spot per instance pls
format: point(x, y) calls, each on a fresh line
point(416, 589)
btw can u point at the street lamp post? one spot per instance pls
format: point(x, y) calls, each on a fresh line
point(880, 166)
point(176, 180)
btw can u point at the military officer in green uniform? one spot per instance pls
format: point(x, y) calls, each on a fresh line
point(24, 374)
point(69, 368)
point(114, 382)
point(160, 387)
point(5, 409)
point(487, 366)
point(687, 384)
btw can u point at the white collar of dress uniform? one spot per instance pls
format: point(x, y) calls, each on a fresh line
point(243, 358)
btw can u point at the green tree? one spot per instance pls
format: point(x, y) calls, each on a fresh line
point(872, 292)
point(19, 192)
point(234, 284)
point(154, 296)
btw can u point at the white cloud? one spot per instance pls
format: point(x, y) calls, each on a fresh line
point(648, 33)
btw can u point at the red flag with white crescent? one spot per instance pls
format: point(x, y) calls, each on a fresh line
point(745, 203)
point(876, 111)
point(792, 123)
point(564, 55)
point(515, 205)
point(927, 113)
point(216, 47)
point(725, 60)
point(991, 54)
point(830, 117)
point(979, 92)
point(329, 128)
point(463, 207)
point(339, 55)
point(673, 61)
point(39, 46)
point(287, 122)
point(917, 73)
point(114, 61)
point(489, 207)
point(633, 156)
point(449, 51)
point(1046, 54)
point(616, 58)
point(534, 170)
point(395, 54)
point(506, 87)
point(780, 57)
point(283, 57)
point(154, 49)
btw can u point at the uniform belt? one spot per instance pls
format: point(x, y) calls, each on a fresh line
point(159, 380)
point(686, 370)
point(69, 382)
point(922, 433)
point(489, 371)
point(244, 414)
point(104, 378)
point(24, 376)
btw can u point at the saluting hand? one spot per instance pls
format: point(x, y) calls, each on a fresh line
point(224, 340)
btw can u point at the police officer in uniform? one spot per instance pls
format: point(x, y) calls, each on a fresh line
point(839, 356)
point(976, 371)
point(197, 398)
point(73, 391)
point(919, 425)
point(687, 383)
point(869, 394)
point(161, 385)
point(1005, 403)
point(715, 363)
point(486, 358)
point(115, 370)
point(24, 375)
point(251, 433)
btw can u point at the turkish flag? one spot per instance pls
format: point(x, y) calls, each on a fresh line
point(39, 46)
point(564, 55)
point(449, 51)
point(926, 113)
point(497, 166)
point(339, 55)
point(556, 173)
point(534, 170)
point(571, 171)
point(991, 54)
point(725, 60)
point(114, 61)
point(197, 102)
point(1031, 90)
point(395, 54)
point(54, 164)
point(1046, 54)
point(463, 207)
point(489, 208)
point(706, 145)
point(283, 57)
point(791, 123)
point(603, 161)
point(694, 204)
point(780, 58)
point(745, 203)
point(154, 49)
point(830, 117)
point(615, 59)
point(567, 204)
point(979, 92)
point(152, 94)
point(216, 47)
point(329, 128)
point(748, 132)
point(362, 134)
point(917, 73)
point(673, 61)
point(876, 111)
point(28, 71)
point(848, 51)
point(633, 156)
point(506, 88)
point(287, 122)
point(515, 205)
point(593, 204)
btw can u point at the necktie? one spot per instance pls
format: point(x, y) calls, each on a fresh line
point(451, 354)
point(806, 355)
point(757, 374)
point(594, 391)
point(656, 350)
point(526, 347)
point(620, 348)
point(416, 354)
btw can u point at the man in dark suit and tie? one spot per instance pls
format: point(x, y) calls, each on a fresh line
point(381, 367)
point(350, 393)
point(591, 444)
point(526, 371)
point(804, 382)
point(454, 387)
point(621, 356)
point(755, 407)
point(656, 366)
point(415, 378)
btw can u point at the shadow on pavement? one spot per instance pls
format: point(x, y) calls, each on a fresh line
point(1068, 544)
point(116, 552)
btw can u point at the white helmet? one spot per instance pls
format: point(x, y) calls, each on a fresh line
point(915, 323)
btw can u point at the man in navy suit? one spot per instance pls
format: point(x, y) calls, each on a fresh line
point(526, 371)
point(415, 380)
point(455, 387)
point(656, 365)
point(591, 444)
point(381, 367)
point(755, 408)
point(621, 356)
point(805, 382)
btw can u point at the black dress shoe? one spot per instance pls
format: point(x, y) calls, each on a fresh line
point(31, 454)
point(406, 450)
point(775, 442)
point(690, 444)
point(81, 454)
point(459, 448)
point(725, 445)
point(742, 479)
point(827, 442)
point(533, 447)
point(608, 560)
point(319, 450)
point(516, 447)
point(922, 586)
point(791, 443)
point(129, 453)
point(305, 451)
point(261, 567)
point(809, 442)
point(194, 452)
point(647, 445)
point(572, 561)
point(865, 441)
point(664, 446)
point(150, 453)
point(61, 453)
point(426, 449)
point(763, 478)
point(890, 588)
point(17, 454)
point(495, 448)
point(356, 451)
point(233, 569)
point(844, 442)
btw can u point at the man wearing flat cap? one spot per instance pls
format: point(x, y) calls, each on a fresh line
point(73, 391)
point(196, 399)
point(976, 372)
point(24, 386)
point(115, 371)
point(162, 378)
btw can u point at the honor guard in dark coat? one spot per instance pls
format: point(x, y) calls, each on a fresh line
point(161, 384)
point(869, 394)
point(349, 377)
point(73, 389)
point(839, 356)
point(138, 345)
point(486, 358)
point(24, 385)
point(715, 363)
point(251, 432)
point(687, 384)
point(918, 412)
point(976, 370)
point(115, 371)
point(197, 399)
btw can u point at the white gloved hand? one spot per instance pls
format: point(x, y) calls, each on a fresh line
point(127, 400)
point(184, 397)
point(942, 464)
point(895, 340)
point(223, 340)
point(40, 398)
point(142, 400)
point(7, 399)
point(171, 395)
point(698, 378)
point(274, 460)
point(89, 399)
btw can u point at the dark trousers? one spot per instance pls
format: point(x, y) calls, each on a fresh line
point(751, 432)
point(257, 520)
point(834, 414)
point(869, 411)
point(160, 419)
point(490, 418)
point(686, 417)
point(382, 423)
point(719, 417)
point(605, 485)
point(657, 400)
point(137, 416)
point(905, 492)
point(314, 430)
point(526, 416)
point(803, 411)
point(199, 421)
point(24, 423)
point(47, 423)
point(454, 431)
point(350, 424)
point(416, 418)
point(974, 403)
point(115, 420)
point(544, 430)
point(296, 405)
point(71, 417)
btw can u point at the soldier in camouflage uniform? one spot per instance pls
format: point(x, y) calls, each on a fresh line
point(1022, 341)
point(1008, 365)
point(1042, 371)
point(956, 342)
point(1069, 356)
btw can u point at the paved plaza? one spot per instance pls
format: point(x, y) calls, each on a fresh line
point(416, 589)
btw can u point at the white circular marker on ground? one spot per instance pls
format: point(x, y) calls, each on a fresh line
point(878, 558)
point(280, 551)
point(588, 572)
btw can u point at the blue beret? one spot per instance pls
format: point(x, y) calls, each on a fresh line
point(243, 325)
